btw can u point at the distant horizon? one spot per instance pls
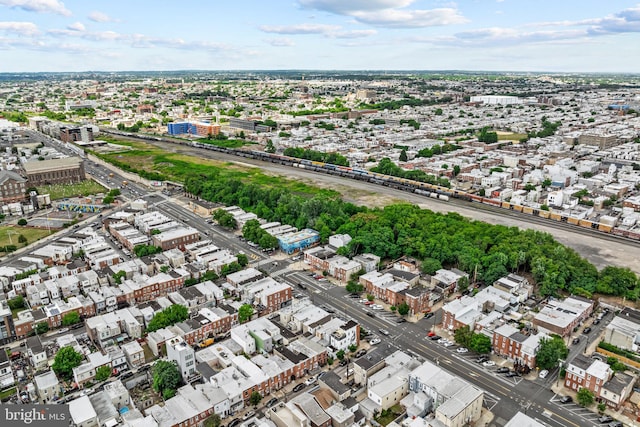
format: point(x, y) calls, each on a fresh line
point(546, 36)
point(311, 70)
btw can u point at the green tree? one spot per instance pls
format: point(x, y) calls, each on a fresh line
point(340, 354)
point(403, 155)
point(117, 277)
point(480, 343)
point(403, 309)
point(166, 377)
point(551, 350)
point(70, 318)
point(213, 421)
point(102, 373)
point(354, 287)
point(353, 348)
point(41, 328)
point(22, 239)
point(370, 297)
point(430, 266)
point(16, 302)
point(22, 222)
point(66, 359)
point(463, 336)
point(585, 397)
point(167, 317)
point(245, 312)
point(269, 147)
point(255, 398)
point(243, 260)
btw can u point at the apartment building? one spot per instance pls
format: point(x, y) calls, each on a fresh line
point(12, 187)
point(583, 372)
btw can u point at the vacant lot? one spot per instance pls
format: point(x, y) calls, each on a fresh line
point(62, 191)
point(10, 235)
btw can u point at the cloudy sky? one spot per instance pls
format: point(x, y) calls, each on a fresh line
point(509, 35)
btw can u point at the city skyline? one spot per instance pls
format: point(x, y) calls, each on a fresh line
point(507, 35)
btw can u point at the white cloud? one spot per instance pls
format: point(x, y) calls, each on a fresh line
point(353, 34)
point(97, 16)
point(76, 26)
point(411, 18)
point(347, 7)
point(299, 29)
point(388, 13)
point(280, 42)
point(41, 6)
point(21, 28)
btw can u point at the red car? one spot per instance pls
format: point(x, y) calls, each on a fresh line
point(369, 303)
point(431, 334)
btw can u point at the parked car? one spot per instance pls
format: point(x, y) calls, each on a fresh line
point(374, 341)
point(595, 322)
point(235, 422)
point(482, 359)
point(344, 362)
point(248, 415)
point(383, 332)
point(512, 374)
point(616, 424)
point(502, 370)
point(566, 399)
point(272, 402)
point(605, 419)
point(431, 334)
point(310, 380)
point(586, 330)
point(576, 340)
point(435, 337)
point(543, 373)
point(299, 387)
point(361, 353)
point(428, 315)
point(462, 350)
point(489, 363)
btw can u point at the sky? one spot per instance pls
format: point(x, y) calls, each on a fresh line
point(492, 35)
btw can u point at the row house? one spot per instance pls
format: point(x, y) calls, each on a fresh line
point(147, 288)
point(447, 280)
point(209, 322)
point(342, 268)
point(244, 276)
point(318, 257)
point(376, 283)
point(509, 342)
point(134, 353)
point(268, 294)
point(465, 311)
point(175, 238)
point(562, 316)
point(584, 372)
point(418, 300)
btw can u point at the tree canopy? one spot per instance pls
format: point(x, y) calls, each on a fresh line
point(245, 312)
point(167, 317)
point(66, 359)
point(166, 378)
point(550, 352)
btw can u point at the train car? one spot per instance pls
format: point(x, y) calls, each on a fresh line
point(527, 210)
point(573, 220)
point(555, 216)
point(517, 208)
point(443, 197)
point(586, 223)
point(475, 198)
point(604, 227)
point(543, 214)
point(506, 205)
point(488, 201)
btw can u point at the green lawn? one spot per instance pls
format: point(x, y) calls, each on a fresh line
point(63, 191)
point(9, 234)
point(7, 393)
point(146, 159)
point(511, 136)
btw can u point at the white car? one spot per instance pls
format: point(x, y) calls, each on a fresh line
point(488, 363)
point(310, 380)
point(374, 341)
point(543, 373)
point(462, 350)
point(376, 307)
point(448, 344)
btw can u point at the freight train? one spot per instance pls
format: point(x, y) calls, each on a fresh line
point(422, 188)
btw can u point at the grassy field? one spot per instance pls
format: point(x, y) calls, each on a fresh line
point(62, 191)
point(8, 392)
point(511, 136)
point(32, 234)
point(177, 167)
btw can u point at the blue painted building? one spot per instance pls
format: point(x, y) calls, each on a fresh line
point(298, 241)
point(180, 128)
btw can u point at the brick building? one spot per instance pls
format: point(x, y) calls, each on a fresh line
point(13, 187)
point(583, 372)
point(58, 171)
